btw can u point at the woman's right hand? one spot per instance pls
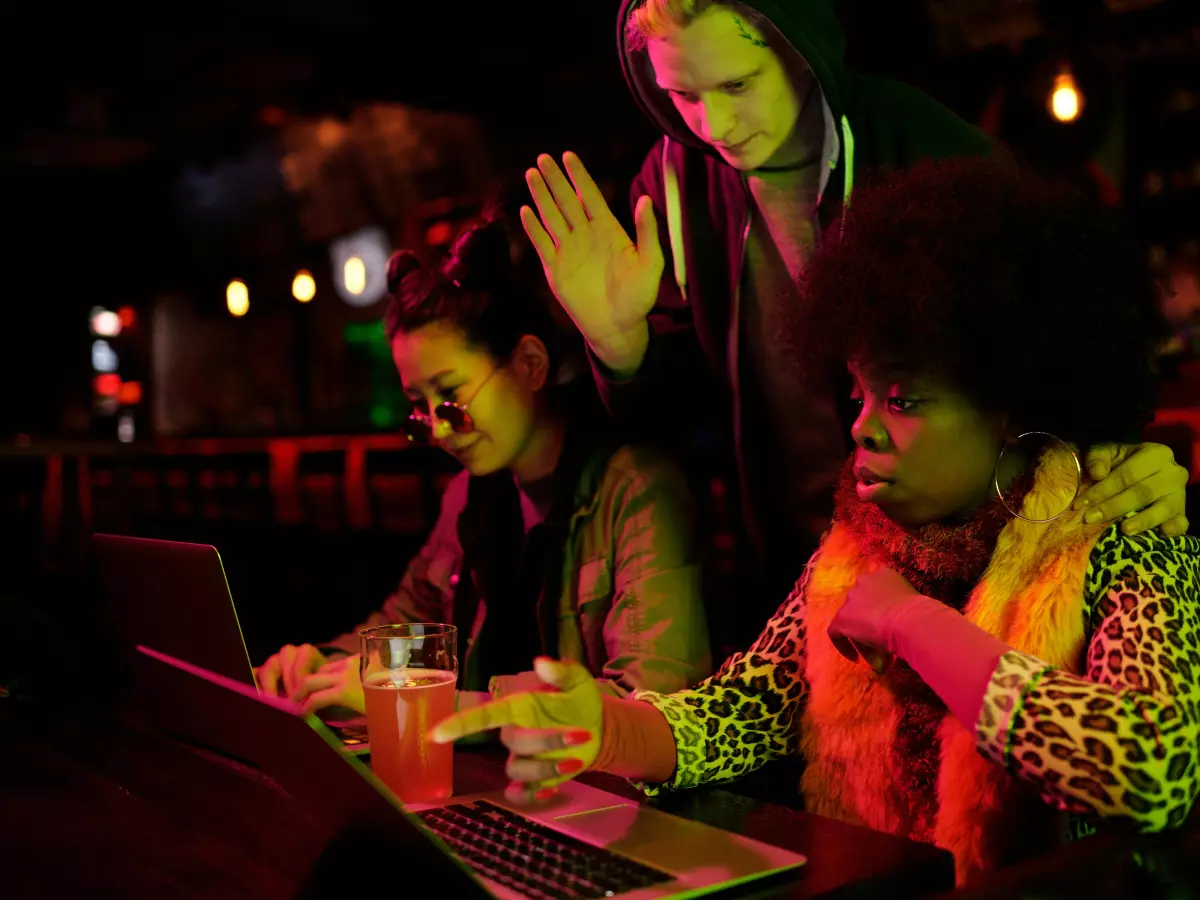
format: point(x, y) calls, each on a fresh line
point(605, 282)
point(283, 674)
point(552, 734)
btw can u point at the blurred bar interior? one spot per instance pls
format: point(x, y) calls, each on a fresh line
point(202, 215)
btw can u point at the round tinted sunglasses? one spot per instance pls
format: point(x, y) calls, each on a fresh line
point(420, 427)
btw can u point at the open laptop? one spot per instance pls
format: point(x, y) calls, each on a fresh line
point(175, 597)
point(588, 844)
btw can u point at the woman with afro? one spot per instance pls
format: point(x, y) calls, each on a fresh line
point(968, 659)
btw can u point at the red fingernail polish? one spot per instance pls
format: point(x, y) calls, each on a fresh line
point(545, 794)
point(568, 766)
point(576, 737)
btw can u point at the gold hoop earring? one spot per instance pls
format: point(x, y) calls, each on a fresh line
point(1020, 458)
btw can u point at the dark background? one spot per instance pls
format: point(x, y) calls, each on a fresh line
point(104, 112)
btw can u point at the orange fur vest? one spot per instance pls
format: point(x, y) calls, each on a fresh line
point(1032, 597)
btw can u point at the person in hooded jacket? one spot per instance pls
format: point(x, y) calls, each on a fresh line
point(764, 134)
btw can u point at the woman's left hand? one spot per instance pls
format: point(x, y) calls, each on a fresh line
point(1145, 480)
point(335, 684)
point(862, 626)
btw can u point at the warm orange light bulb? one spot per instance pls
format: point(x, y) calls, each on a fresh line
point(304, 288)
point(355, 274)
point(237, 298)
point(1066, 103)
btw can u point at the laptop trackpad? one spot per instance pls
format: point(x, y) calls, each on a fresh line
point(691, 850)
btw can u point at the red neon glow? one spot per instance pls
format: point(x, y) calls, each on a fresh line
point(127, 315)
point(130, 393)
point(107, 385)
point(439, 234)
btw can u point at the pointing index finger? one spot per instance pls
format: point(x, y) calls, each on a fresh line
point(496, 714)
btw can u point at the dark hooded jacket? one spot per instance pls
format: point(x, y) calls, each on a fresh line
point(694, 371)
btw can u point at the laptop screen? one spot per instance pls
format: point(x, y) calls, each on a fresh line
point(173, 597)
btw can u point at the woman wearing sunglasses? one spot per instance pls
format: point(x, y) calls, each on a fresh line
point(556, 538)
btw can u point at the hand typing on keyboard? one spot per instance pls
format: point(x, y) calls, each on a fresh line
point(552, 733)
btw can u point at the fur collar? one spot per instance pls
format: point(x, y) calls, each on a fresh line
point(883, 751)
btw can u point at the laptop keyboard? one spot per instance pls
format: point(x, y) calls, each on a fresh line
point(533, 859)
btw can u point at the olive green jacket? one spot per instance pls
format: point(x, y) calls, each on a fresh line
point(631, 608)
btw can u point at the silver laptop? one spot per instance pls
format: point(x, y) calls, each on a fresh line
point(588, 844)
point(175, 597)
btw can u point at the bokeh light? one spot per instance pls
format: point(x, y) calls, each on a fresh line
point(1065, 100)
point(237, 297)
point(104, 357)
point(304, 288)
point(354, 274)
point(105, 322)
point(130, 393)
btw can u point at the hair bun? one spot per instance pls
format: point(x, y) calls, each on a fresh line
point(480, 259)
point(401, 263)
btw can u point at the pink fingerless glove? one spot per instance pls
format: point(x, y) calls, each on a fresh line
point(637, 742)
point(955, 657)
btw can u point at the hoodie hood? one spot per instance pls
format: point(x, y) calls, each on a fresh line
point(807, 28)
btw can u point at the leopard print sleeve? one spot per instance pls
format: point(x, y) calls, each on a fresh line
point(745, 714)
point(1120, 742)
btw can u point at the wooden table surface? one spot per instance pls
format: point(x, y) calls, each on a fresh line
point(95, 806)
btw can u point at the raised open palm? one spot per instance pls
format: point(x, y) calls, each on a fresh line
point(605, 282)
